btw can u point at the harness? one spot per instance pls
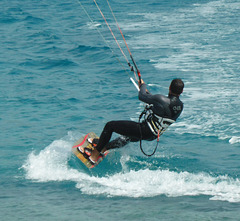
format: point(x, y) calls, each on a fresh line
point(156, 124)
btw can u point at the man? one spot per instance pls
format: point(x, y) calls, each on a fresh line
point(161, 112)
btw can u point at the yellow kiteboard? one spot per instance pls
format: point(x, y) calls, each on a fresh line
point(83, 142)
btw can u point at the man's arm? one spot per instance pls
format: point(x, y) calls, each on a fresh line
point(155, 99)
point(144, 95)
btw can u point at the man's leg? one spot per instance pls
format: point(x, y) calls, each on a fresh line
point(125, 128)
point(117, 143)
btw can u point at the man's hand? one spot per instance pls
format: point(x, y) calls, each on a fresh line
point(140, 82)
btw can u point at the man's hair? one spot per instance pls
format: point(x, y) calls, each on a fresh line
point(177, 86)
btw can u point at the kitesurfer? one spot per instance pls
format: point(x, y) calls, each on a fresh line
point(160, 112)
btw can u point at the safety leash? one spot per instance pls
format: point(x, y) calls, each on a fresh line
point(158, 136)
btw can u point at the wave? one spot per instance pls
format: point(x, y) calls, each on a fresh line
point(234, 140)
point(149, 183)
point(52, 164)
point(80, 49)
point(48, 64)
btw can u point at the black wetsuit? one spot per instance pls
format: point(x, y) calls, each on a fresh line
point(168, 107)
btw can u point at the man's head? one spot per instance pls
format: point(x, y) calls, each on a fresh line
point(176, 86)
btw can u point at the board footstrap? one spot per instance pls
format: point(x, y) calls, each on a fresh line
point(84, 143)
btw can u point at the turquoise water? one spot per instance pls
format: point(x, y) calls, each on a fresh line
point(59, 80)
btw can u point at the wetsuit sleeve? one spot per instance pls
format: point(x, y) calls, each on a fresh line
point(146, 96)
point(160, 103)
point(168, 107)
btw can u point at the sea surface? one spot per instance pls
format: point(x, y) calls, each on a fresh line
point(62, 75)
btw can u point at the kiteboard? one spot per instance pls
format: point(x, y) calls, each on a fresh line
point(84, 142)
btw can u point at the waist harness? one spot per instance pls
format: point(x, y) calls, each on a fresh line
point(156, 123)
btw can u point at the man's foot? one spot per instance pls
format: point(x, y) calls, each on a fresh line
point(93, 141)
point(93, 162)
point(95, 155)
point(85, 150)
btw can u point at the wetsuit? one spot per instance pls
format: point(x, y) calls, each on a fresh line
point(160, 107)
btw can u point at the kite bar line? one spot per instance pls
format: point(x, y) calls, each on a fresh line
point(111, 31)
point(135, 65)
point(129, 64)
point(138, 72)
point(119, 28)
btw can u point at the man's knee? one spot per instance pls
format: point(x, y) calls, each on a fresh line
point(110, 125)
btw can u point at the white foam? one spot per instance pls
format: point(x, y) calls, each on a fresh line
point(93, 25)
point(234, 140)
point(149, 183)
point(51, 164)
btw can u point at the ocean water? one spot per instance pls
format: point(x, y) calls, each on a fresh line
point(59, 81)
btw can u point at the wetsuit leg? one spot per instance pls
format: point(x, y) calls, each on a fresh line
point(129, 129)
point(118, 142)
